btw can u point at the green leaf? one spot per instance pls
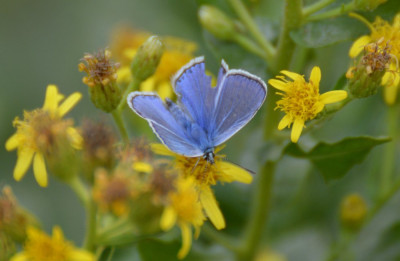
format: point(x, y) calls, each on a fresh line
point(329, 31)
point(336, 159)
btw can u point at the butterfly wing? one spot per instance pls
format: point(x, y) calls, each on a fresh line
point(171, 133)
point(194, 91)
point(239, 96)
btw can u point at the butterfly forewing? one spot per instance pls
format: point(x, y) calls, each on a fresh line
point(150, 107)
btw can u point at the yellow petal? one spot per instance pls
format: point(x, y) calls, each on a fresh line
point(148, 85)
point(23, 162)
point(130, 53)
point(286, 121)
point(13, 142)
point(390, 94)
point(237, 173)
point(278, 84)
point(168, 218)
point(20, 257)
point(142, 167)
point(292, 75)
point(124, 75)
point(211, 208)
point(333, 96)
point(161, 149)
point(52, 99)
point(69, 103)
point(164, 89)
point(58, 234)
point(80, 255)
point(186, 240)
point(75, 138)
point(396, 21)
point(296, 130)
point(358, 45)
point(39, 169)
point(315, 76)
point(319, 106)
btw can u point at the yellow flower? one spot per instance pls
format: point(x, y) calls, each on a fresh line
point(206, 175)
point(301, 100)
point(177, 53)
point(353, 211)
point(41, 247)
point(185, 210)
point(35, 134)
point(390, 33)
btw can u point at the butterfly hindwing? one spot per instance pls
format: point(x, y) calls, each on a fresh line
point(150, 107)
point(239, 97)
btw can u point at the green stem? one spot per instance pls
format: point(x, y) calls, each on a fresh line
point(390, 150)
point(134, 85)
point(120, 124)
point(315, 7)
point(249, 45)
point(259, 212)
point(81, 191)
point(248, 21)
point(292, 19)
point(343, 9)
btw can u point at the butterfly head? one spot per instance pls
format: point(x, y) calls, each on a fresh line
point(209, 155)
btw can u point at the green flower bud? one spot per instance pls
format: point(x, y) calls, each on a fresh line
point(147, 58)
point(366, 77)
point(367, 5)
point(102, 80)
point(216, 22)
point(353, 211)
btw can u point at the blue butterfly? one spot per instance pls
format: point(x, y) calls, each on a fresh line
point(204, 116)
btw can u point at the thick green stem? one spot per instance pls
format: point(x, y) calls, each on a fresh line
point(80, 190)
point(292, 19)
point(259, 212)
point(120, 124)
point(390, 150)
point(315, 7)
point(248, 21)
point(344, 9)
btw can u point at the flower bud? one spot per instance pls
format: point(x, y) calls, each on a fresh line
point(13, 219)
point(102, 80)
point(98, 148)
point(216, 22)
point(366, 77)
point(147, 58)
point(367, 5)
point(353, 211)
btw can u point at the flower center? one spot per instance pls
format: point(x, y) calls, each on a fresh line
point(43, 248)
point(391, 34)
point(301, 100)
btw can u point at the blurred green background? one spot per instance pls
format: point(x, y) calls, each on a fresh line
point(41, 43)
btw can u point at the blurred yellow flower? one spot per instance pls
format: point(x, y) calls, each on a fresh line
point(206, 175)
point(41, 247)
point(177, 53)
point(185, 210)
point(384, 34)
point(301, 100)
point(39, 130)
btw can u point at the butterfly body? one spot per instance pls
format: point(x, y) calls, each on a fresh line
point(204, 116)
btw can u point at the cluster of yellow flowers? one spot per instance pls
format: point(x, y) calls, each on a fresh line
point(151, 191)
